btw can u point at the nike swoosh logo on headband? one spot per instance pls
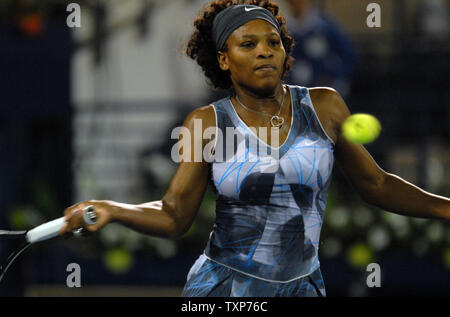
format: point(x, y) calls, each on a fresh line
point(250, 9)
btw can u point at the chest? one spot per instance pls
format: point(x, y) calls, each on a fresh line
point(250, 174)
point(272, 131)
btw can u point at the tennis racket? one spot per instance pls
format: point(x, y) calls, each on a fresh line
point(42, 232)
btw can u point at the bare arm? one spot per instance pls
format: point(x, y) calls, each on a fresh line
point(402, 197)
point(169, 217)
point(376, 186)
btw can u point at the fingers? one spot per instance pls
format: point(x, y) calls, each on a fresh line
point(74, 217)
point(63, 229)
point(101, 221)
point(66, 234)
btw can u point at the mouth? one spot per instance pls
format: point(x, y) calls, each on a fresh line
point(266, 67)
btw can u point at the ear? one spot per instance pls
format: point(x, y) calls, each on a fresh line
point(222, 58)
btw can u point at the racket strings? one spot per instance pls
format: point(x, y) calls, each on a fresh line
point(11, 259)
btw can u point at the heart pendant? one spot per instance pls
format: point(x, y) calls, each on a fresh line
point(277, 121)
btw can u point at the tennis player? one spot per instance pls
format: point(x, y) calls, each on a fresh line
point(272, 186)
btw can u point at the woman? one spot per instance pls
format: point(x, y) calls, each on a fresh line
point(271, 184)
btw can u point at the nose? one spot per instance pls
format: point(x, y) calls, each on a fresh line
point(264, 50)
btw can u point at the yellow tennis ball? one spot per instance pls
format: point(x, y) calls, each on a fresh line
point(361, 128)
point(118, 260)
point(360, 255)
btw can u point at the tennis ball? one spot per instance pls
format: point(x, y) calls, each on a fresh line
point(118, 260)
point(447, 258)
point(359, 255)
point(18, 220)
point(361, 128)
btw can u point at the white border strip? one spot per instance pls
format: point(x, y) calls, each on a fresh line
point(217, 129)
point(260, 278)
point(317, 117)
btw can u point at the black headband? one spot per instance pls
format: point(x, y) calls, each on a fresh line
point(233, 17)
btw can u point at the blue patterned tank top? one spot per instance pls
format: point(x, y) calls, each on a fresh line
point(268, 220)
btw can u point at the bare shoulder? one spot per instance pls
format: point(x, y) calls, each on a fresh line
point(330, 108)
point(328, 99)
point(322, 92)
point(206, 114)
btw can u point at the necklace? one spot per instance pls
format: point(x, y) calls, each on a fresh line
point(275, 120)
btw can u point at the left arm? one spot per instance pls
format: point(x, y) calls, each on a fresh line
point(399, 196)
point(376, 186)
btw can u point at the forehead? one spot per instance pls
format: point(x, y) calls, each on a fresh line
point(256, 27)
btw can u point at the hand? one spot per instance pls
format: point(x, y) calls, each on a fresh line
point(74, 216)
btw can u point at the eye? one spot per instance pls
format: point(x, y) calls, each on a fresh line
point(247, 44)
point(274, 42)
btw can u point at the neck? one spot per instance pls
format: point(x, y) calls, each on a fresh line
point(268, 101)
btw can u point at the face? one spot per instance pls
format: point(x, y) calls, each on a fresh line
point(255, 57)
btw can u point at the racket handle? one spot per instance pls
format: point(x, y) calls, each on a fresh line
point(45, 231)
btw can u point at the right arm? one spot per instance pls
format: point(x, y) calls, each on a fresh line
point(170, 217)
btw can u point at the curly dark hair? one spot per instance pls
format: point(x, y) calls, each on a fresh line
point(202, 49)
